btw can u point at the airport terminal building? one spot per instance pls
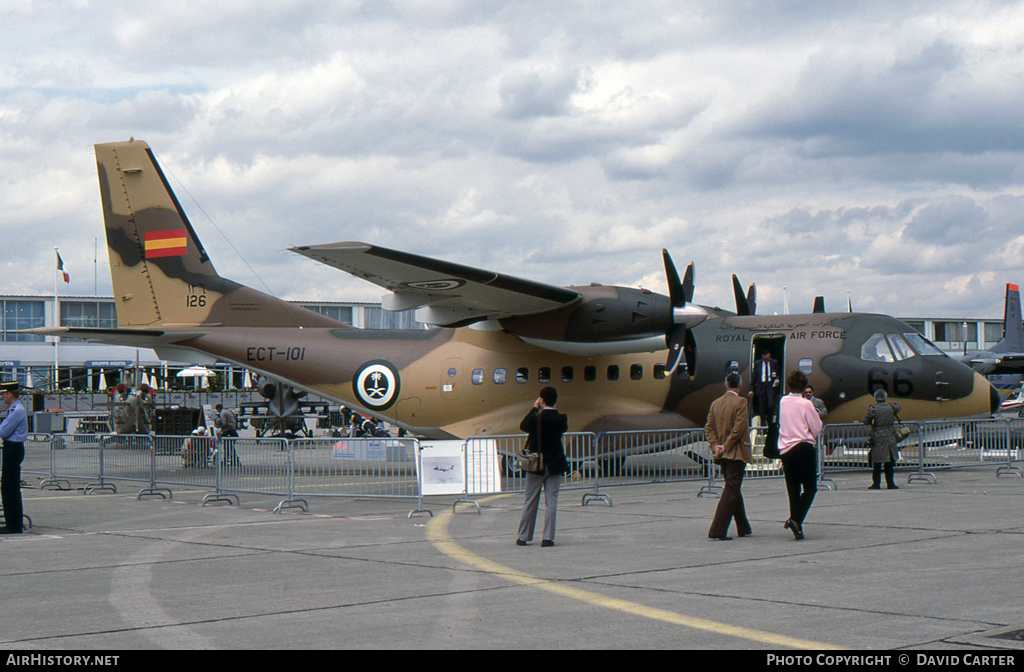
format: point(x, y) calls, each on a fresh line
point(31, 359)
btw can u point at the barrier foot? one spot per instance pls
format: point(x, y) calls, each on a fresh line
point(829, 484)
point(292, 504)
point(1016, 471)
point(54, 483)
point(711, 489)
point(416, 511)
point(156, 491)
point(922, 476)
point(465, 501)
point(597, 495)
point(221, 497)
point(93, 487)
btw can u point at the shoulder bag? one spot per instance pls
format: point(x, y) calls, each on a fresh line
point(530, 458)
point(902, 431)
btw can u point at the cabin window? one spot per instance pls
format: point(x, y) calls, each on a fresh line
point(613, 372)
point(499, 376)
point(636, 372)
point(899, 347)
point(522, 375)
point(478, 376)
point(590, 373)
point(875, 349)
point(806, 366)
point(659, 372)
point(567, 374)
point(452, 372)
point(544, 374)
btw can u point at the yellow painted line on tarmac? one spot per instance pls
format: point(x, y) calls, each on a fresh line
point(437, 533)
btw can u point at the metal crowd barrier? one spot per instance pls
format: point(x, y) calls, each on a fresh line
point(360, 467)
point(363, 467)
point(390, 467)
point(931, 446)
point(607, 459)
point(579, 453)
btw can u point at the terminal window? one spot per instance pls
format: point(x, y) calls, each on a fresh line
point(23, 315)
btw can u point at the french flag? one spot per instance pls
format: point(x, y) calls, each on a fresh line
point(60, 267)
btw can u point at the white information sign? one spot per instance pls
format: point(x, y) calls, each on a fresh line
point(441, 468)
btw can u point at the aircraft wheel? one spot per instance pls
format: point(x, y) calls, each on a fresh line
point(508, 465)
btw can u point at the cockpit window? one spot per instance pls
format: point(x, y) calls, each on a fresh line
point(922, 344)
point(899, 347)
point(875, 349)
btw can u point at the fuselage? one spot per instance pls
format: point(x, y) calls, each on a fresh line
point(466, 381)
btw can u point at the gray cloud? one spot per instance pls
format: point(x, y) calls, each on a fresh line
point(818, 147)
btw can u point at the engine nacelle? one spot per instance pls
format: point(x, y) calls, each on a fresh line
point(607, 320)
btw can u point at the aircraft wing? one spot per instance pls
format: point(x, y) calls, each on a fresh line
point(447, 294)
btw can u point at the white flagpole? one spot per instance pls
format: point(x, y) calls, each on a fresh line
point(56, 323)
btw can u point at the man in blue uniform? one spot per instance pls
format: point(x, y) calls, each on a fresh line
point(13, 431)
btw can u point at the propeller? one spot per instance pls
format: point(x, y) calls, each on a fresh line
point(685, 316)
point(745, 305)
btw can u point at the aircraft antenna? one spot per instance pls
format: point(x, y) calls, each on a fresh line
point(245, 261)
point(984, 301)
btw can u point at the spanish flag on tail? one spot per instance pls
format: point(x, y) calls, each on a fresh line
point(166, 243)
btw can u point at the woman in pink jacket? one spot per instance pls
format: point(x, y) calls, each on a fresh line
point(799, 426)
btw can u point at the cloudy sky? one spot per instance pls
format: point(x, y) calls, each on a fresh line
point(869, 147)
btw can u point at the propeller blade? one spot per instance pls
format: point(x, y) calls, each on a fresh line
point(675, 349)
point(688, 283)
point(819, 304)
point(680, 294)
point(676, 290)
point(745, 305)
point(742, 305)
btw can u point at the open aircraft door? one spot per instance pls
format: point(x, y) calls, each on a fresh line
point(775, 343)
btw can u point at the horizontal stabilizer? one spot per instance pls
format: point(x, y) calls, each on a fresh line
point(135, 338)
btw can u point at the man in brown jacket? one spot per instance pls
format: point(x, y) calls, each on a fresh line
point(728, 434)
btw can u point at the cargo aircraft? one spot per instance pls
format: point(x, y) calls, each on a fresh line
point(621, 358)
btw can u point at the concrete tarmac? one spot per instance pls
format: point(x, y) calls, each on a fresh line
point(928, 566)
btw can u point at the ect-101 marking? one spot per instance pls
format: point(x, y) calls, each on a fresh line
point(260, 353)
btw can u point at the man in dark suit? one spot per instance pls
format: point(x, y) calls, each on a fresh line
point(728, 435)
point(765, 388)
point(545, 426)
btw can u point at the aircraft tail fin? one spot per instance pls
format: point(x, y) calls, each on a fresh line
point(162, 275)
point(1013, 328)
